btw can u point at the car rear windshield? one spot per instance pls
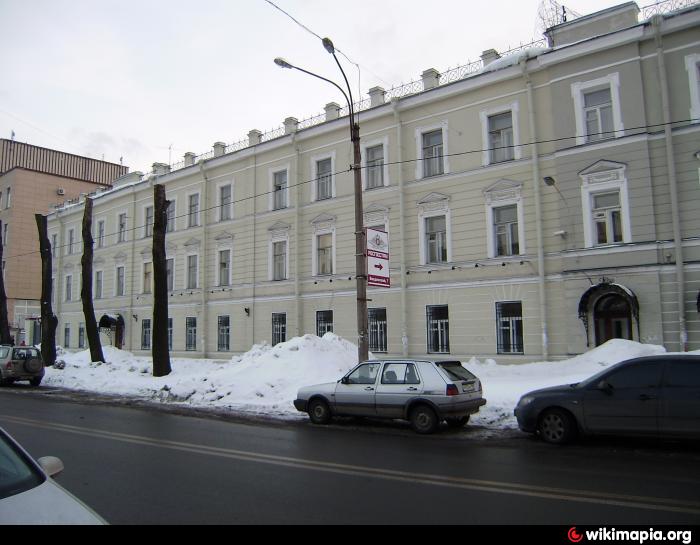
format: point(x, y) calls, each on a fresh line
point(16, 474)
point(455, 370)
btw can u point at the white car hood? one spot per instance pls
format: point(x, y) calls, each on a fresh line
point(47, 503)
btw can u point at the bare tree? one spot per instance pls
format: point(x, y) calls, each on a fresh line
point(5, 336)
point(49, 322)
point(160, 349)
point(93, 334)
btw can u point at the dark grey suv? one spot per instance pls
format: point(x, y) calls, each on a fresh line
point(651, 396)
point(20, 363)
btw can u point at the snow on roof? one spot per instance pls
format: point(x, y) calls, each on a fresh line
point(513, 59)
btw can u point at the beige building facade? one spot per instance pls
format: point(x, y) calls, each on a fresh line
point(537, 205)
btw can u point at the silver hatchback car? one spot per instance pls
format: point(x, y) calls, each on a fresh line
point(421, 391)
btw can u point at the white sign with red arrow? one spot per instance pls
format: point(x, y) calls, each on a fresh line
point(378, 258)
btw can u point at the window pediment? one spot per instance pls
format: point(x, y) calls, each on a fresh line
point(503, 190)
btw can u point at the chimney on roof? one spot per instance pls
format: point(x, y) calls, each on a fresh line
point(431, 79)
point(160, 169)
point(254, 137)
point(189, 158)
point(332, 111)
point(489, 56)
point(219, 149)
point(377, 96)
point(291, 125)
point(129, 178)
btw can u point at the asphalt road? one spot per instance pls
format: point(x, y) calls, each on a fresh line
point(140, 465)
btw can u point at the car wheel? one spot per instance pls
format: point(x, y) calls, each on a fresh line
point(424, 420)
point(319, 412)
point(457, 422)
point(36, 381)
point(556, 427)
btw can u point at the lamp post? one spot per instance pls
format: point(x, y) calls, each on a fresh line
point(360, 245)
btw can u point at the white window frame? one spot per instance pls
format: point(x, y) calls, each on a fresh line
point(100, 240)
point(116, 281)
point(219, 208)
point(68, 293)
point(101, 293)
point(384, 142)
point(187, 271)
point(434, 205)
point(199, 209)
point(123, 237)
point(143, 278)
point(277, 235)
point(514, 109)
point(419, 132)
point(174, 201)
point(692, 65)
point(579, 88)
point(605, 181)
point(229, 280)
point(504, 193)
point(144, 208)
point(324, 226)
point(314, 175)
point(271, 174)
point(173, 272)
point(71, 241)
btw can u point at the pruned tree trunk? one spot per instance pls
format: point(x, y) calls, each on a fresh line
point(49, 322)
point(160, 350)
point(93, 333)
point(5, 336)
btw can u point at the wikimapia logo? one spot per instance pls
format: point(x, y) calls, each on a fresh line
point(634, 536)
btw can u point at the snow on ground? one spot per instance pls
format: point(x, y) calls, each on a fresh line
point(265, 380)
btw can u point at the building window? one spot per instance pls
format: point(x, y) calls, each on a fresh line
point(501, 143)
point(6, 235)
point(377, 329)
point(8, 203)
point(223, 335)
point(597, 109)
point(324, 179)
point(279, 328)
point(101, 234)
point(279, 257)
point(505, 230)
point(66, 336)
point(436, 239)
point(98, 284)
point(692, 65)
point(324, 254)
point(170, 333)
point(193, 210)
point(121, 231)
point(438, 329)
point(607, 217)
point(433, 164)
point(279, 190)
point(71, 240)
point(191, 334)
point(169, 273)
point(54, 244)
point(148, 222)
point(147, 277)
point(192, 266)
point(69, 288)
point(81, 335)
point(170, 215)
point(375, 166)
point(509, 327)
point(225, 202)
point(121, 286)
point(324, 322)
point(145, 334)
point(224, 267)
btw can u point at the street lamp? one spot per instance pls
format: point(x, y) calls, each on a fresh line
point(360, 246)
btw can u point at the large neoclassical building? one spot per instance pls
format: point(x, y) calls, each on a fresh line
point(538, 203)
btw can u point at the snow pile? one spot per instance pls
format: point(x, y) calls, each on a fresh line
point(265, 380)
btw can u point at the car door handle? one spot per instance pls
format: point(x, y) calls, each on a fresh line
point(645, 397)
point(412, 389)
point(369, 389)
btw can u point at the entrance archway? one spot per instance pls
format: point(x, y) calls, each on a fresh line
point(609, 311)
point(113, 326)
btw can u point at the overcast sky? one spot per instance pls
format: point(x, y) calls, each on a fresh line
point(131, 78)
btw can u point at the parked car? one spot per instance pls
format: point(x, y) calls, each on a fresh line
point(28, 493)
point(656, 396)
point(20, 363)
point(422, 392)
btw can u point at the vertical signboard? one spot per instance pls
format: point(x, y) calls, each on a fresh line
point(378, 258)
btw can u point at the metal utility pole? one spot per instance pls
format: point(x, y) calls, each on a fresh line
point(360, 242)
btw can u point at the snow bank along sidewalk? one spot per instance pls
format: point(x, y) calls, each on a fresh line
point(265, 380)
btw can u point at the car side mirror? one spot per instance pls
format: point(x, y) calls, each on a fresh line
point(51, 465)
point(345, 380)
point(605, 386)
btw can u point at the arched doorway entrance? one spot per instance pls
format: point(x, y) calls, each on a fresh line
point(609, 311)
point(112, 325)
